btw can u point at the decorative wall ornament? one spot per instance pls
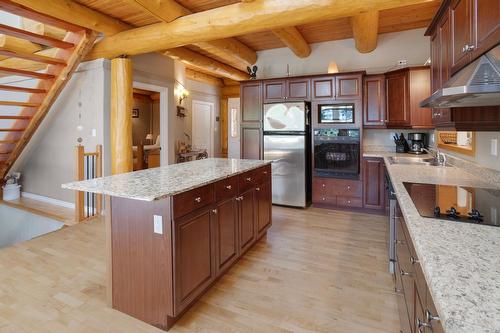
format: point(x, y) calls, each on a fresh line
point(252, 71)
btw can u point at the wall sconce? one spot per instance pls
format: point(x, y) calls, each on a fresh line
point(332, 68)
point(182, 94)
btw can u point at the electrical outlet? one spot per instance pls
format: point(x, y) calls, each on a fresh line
point(158, 224)
point(494, 215)
point(494, 147)
point(94, 132)
point(403, 62)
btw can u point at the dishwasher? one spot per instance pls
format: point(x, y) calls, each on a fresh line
point(392, 222)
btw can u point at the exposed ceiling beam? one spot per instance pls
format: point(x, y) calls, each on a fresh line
point(292, 38)
point(169, 10)
point(233, 20)
point(230, 91)
point(71, 11)
point(365, 31)
point(202, 77)
point(197, 60)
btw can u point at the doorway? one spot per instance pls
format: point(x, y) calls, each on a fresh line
point(233, 137)
point(149, 126)
point(203, 126)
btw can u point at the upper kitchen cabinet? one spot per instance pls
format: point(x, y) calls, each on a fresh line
point(286, 89)
point(405, 88)
point(374, 101)
point(323, 88)
point(251, 101)
point(475, 28)
point(348, 86)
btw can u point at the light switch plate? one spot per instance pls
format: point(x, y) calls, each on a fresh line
point(94, 132)
point(494, 147)
point(494, 215)
point(158, 224)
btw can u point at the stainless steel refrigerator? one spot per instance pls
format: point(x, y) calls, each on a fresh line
point(287, 142)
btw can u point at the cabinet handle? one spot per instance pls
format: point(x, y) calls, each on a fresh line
point(421, 325)
point(324, 199)
point(430, 317)
point(257, 188)
point(249, 179)
point(264, 172)
point(197, 199)
point(240, 198)
point(398, 291)
point(413, 260)
point(468, 48)
point(323, 185)
point(348, 201)
point(214, 211)
point(401, 242)
point(229, 187)
point(403, 273)
point(348, 187)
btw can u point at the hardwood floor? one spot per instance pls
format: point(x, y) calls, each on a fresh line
point(317, 271)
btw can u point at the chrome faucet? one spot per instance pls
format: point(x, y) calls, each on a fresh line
point(441, 158)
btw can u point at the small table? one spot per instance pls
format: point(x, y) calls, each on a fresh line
point(197, 154)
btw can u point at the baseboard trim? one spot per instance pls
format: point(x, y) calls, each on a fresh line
point(48, 200)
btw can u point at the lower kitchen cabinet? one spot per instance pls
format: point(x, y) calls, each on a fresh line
point(374, 192)
point(416, 308)
point(246, 202)
point(226, 232)
point(263, 197)
point(194, 256)
point(337, 192)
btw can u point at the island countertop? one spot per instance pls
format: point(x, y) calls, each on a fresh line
point(157, 183)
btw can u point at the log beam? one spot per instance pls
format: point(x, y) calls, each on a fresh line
point(292, 38)
point(233, 20)
point(365, 31)
point(230, 91)
point(202, 77)
point(169, 10)
point(121, 115)
point(197, 60)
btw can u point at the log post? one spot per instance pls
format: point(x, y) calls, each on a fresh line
point(365, 31)
point(121, 115)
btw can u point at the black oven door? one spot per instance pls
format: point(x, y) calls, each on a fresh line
point(337, 159)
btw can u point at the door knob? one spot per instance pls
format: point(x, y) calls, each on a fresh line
point(214, 211)
point(197, 199)
point(229, 187)
point(257, 188)
point(249, 179)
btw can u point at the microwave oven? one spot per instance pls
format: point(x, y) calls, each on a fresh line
point(336, 113)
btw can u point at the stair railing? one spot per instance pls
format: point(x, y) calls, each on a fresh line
point(88, 166)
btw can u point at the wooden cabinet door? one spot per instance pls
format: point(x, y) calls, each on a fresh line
point(251, 142)
point(436, 61)
point(373, 177)
point(374, 101)
point(194, 259)
point(251, 102)
point(247, 228)
point(263, 199)
point(274, 90)
point(397, 92)
point(461, 33)
point(348, 86)
point(486, 24)
point(298, 89)
point(420, 88)
point(226, 232)
point(323, 88)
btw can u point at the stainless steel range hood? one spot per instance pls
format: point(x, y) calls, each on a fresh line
point(478, 84)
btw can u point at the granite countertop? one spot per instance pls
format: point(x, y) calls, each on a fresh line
point(157, 183)
point(460, 261)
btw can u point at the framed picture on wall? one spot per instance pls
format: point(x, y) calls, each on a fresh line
point(135, 113)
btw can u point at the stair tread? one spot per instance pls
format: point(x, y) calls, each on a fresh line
point(31, 56)
point(22, 89)
point(21, 72)
point(33, 37)
point(15, 117)
point(15, 103)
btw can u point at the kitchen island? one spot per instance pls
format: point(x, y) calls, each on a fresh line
point(174, 230)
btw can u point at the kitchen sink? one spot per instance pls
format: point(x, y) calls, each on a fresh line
point(414, 160)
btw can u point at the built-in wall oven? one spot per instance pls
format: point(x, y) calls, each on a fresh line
point(337, 153)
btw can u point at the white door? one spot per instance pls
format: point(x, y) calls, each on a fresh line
point(233, 130)
point(203, 126)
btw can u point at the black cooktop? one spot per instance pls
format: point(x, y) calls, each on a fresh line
point(456, 203)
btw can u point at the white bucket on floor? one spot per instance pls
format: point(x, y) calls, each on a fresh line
point(11, 192)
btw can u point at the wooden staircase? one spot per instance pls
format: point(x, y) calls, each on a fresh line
point(34, 68)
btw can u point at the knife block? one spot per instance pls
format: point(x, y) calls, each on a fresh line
point(401, 148)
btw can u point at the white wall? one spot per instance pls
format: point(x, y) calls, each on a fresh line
point(49, 159)
point(411, 45)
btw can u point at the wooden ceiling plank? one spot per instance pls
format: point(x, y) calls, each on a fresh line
point(233, 20)
point(31, 56)
point(15, 118)
point(33, 37)
point(15, 103)
point(22, 89)
point(365, 31)
point(202, 77)
point(37, 10)
point(169, 10)
point(292, 38)
point(20, 72)
point(194, 59)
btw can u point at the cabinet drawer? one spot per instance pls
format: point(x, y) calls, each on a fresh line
point(319, 198)
point(246, 181)
point(349, 202)
point(322, 187)
point(347, 188)
point(262, 174)
point(226, 188)
point(191, 200)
